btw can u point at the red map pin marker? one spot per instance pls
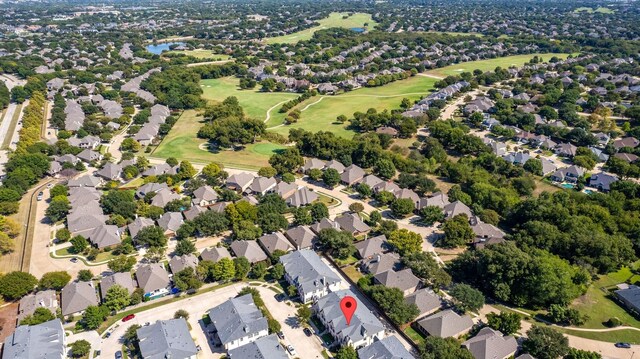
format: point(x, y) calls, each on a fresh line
point(348, 306)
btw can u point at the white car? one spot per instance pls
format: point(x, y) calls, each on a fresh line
point(291, 350)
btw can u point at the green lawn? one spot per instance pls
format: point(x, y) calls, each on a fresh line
point(624, 335)
point(414, 335)
point(201, 54)
point(490, 64)
point(182, 143)
point(335, 19)
point(352, 273)
point(602, 10)
point(319, 112)
point(600, 308)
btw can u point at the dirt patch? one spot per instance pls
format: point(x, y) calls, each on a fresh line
point(8, 317)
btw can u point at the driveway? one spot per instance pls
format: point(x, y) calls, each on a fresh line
point(92, 337)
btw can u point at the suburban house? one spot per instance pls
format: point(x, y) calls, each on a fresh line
point(261, 185)
point(387, 348)
point(309, 274)
point(265, 347)
point(204, 196)
point(301, 197)
point(110, 172)
point(150, 187)
point(569, 174)
point(302, 237)
point(163, 197)
point(455, 208)
point(371, 246)
point(446, 323)
point(248, 249)
point(178, 263)
point(42, 299)
point(352, 175)
point(381, 263)
point(215, 254)
point(170, 222)
point(42, 341)
point(105, 235)
point(352, 223)
point(122, 279)
point(153, 279)
point(139, 223)
point(193, 212)
point(404, 280)
point(77, 296)
point(274, 242)
point(239, 182)
point(491, 344)
point(312, 163)
point(426, 300)
point(237, 322)
point(626, 142)
point(364, 328)
point(167, 339)
point(438, 199)
point(602, 181)
point(629, 295)
point(324, 223)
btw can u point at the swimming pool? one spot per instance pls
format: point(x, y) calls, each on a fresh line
point(568, 185)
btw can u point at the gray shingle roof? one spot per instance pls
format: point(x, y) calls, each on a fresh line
point(237, 318)
point(352, 223)
point(275, 241)
point(301, 236)
point(138, 224)
point(264, 348)
point(426, 300)
point(403, 280)
point(178, 263)
point(307, 269)
point(446, 323)
point(490, 344)
point(42, 341)
point(249, 249)
point(301, 197)
point(387, 348)
point(166, 339)
point(77, 296)
point(371, 246)
point(45, 299)
point(215, 254)
point(123, 279)
point(152, 277)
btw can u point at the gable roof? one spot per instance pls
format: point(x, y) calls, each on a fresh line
point(123, 279)
point(371, 246)
point(105, 235)
point(266, 347)
point(77, 296)
point(166, 339)
point(170, 221)
point(387, 348)
point(248, 249)
point(352, 174)
point(324, 223)
point(152, 277)
point(237, 318)
point(352, 223)
point(403, 279)
point(42, 341)
point(178, 263)
point(138, 224)
point(455, 208)
point(381, 263)
point(214, 254)
point(302, 197)
point(301, 236)
point(275, 241)
point(446, 323)
point(426, 300)
point(205, 193)
point(306, 269)
point(41, 299)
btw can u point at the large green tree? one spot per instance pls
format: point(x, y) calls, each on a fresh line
point(54, 280)
point(15, 285)
point(545, 343)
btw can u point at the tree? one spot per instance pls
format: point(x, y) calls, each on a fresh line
point(303, 314)
point(507, 323)
point(63, 235)
point(431, 215)
point(457, 232)
point(385, 169)
point(122, 263)
point(54, 280)
point(242, 267)
point(117, 297)
point(94, 316)
point(277, 271)
point(267, 172)
point(331, 177)
point(425, 266)
point(80, 348)
point(85, 275)
point(181, 313)
point(78, 244)
point(384, 197)
point(186, 170)
point(272, 222)
point(338, 242)
point(318, 211)
point(186, 280)
point(153, 236)
point(58, 208)
point(391, 300)
point(224, 270)
point(467, 297)
point(155, 254)
point(443, 348)
point(315, 174)
point(258, 270)
point(364, 190)
point(346, 352)
point(533, 165)
point(405, 242)
point(119, 202)
point(288, 160)
point(40, 315)
point(211, 223)
point(356, 207)
point(184, 247)
point(402, 207)
point(545, 343)
point(273, 325)
point(15, 285)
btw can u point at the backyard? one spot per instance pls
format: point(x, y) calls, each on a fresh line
point(335, 19)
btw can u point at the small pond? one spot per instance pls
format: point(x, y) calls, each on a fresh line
point(157, 49)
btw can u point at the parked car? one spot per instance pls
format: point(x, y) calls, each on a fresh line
point(291, 350)
point(280, 297)
point(281, 335)
point(108, 335)
point(74, 260)
point(623, 345)
point(307, 331)
point(118, 354)
point(40, 195)
point(128, 317)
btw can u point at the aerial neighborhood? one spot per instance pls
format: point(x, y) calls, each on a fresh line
point(349, 180)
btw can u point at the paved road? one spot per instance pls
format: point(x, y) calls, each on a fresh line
point(16, 131)
point(11, 81)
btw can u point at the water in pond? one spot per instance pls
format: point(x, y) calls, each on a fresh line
point(358, 29)
point(159, 48)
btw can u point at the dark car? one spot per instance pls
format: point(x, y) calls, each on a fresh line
point(128, 317)
point(280, 297)
point(307, 331)
point(281, 335)
point(623, 345)
point(118, 355)
point(108, 335)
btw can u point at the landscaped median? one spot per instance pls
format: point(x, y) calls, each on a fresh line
point(101, 258)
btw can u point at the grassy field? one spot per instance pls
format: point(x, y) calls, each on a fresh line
point(490, 64)
point(624, 335)
point(201, 54)
point(602, 10)
point(600, 308)
point(335, 19)
point(318, 113)
point(182, 143)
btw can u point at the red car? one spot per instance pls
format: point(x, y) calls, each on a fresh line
point(128, 317)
